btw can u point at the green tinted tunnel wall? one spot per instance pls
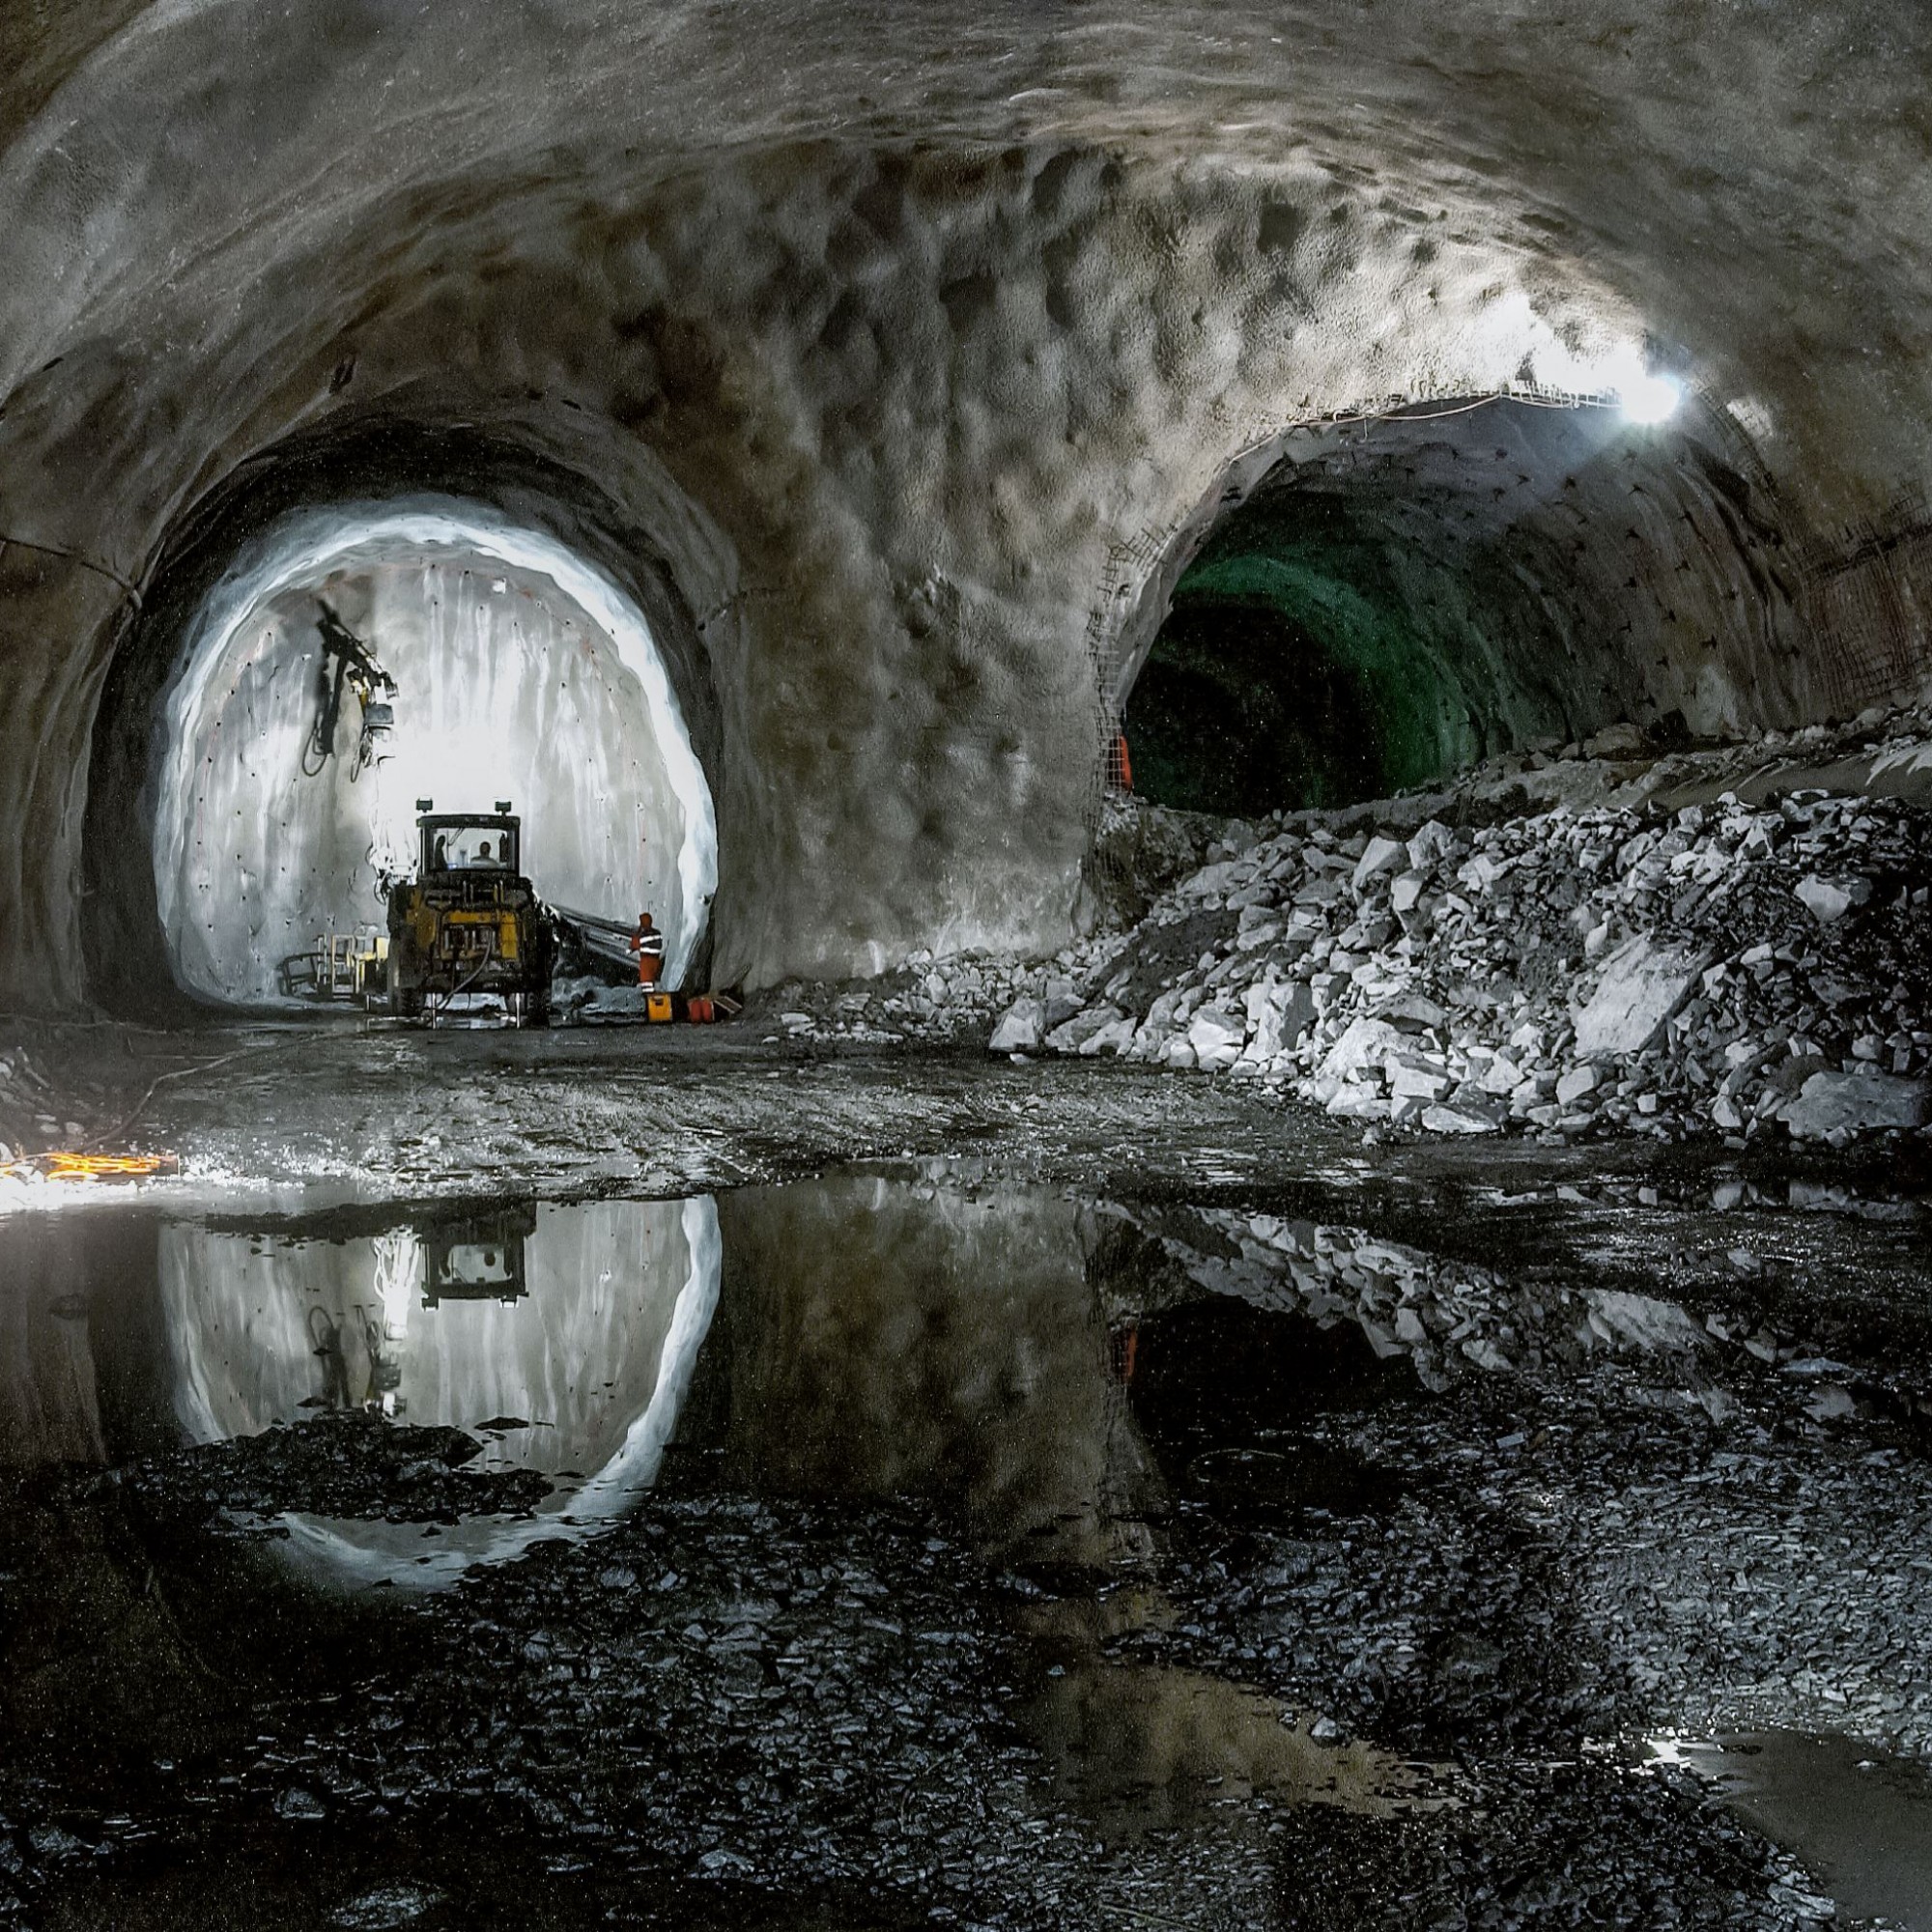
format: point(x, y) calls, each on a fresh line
point(1394, 601)
point(1315, 656)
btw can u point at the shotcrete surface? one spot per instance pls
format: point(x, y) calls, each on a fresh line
point(506, 686)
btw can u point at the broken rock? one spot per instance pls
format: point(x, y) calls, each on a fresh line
point(1855, 1103)
point(1831, 899)
point(1379, 855)
point(1364, 1043)
point(1278, 1014)
point(1216, 1037)
point(1020, 1027)
point(1412, 1077)
point(1465, 1114)
point(1643, 984)
point(1072, 1035)
point(1112, 1038)
point(1575, 1084)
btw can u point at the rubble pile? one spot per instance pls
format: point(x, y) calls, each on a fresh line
point(1879, 752)
point(1719, 968)
point(938, 1002)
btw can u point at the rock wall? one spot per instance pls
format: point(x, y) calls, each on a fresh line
point(911, 373)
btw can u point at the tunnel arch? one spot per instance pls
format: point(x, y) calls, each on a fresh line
point(926, 355)
point(1369, 605)
point(251, 554)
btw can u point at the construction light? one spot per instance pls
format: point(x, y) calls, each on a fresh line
point(1622, 377)
point(1650, 398)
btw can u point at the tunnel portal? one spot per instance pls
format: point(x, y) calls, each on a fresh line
point(1393, 599)
point(507, 670)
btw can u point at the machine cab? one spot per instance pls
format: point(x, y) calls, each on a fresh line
point(469, 843)
point(468, 935)
point(479, 1260)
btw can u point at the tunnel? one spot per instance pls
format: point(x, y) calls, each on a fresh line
point(1397, 599)
point(965, 966)
point(911, 438)
point(481, 627)
point(253, 805)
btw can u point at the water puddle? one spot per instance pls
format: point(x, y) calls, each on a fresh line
point(1861, 1820)
point(564, 1337)
point(805, 1481)
point(856, 1551)
point(1145, 1751)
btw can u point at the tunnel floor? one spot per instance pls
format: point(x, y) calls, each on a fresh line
point(306, 1114)
point(1086, 1501)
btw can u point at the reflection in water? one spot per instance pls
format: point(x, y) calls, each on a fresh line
point(999, 1522)
point(1448, 1318)
point(479, 1258)
point(896, 1340)
point(991, 1349)
point(573, 1330)
point(1143, 1748)
point(52, 1270)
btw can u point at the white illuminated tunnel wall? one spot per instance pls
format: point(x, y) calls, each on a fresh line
point(524, 674)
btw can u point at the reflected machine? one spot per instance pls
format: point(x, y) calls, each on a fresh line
point(480, 1259)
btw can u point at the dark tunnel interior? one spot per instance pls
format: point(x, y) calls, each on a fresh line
point(1396, 601)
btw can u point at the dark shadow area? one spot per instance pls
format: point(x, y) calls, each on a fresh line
point(1240, 711)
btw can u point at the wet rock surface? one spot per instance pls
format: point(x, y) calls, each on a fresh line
point(1316, 1554)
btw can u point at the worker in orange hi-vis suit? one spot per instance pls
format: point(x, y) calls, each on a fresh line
point(649, 946)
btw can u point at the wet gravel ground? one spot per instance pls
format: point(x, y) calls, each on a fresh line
point(365, 1108)
point(999, 1573)
point(357, 1109)
point(820, 1715)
